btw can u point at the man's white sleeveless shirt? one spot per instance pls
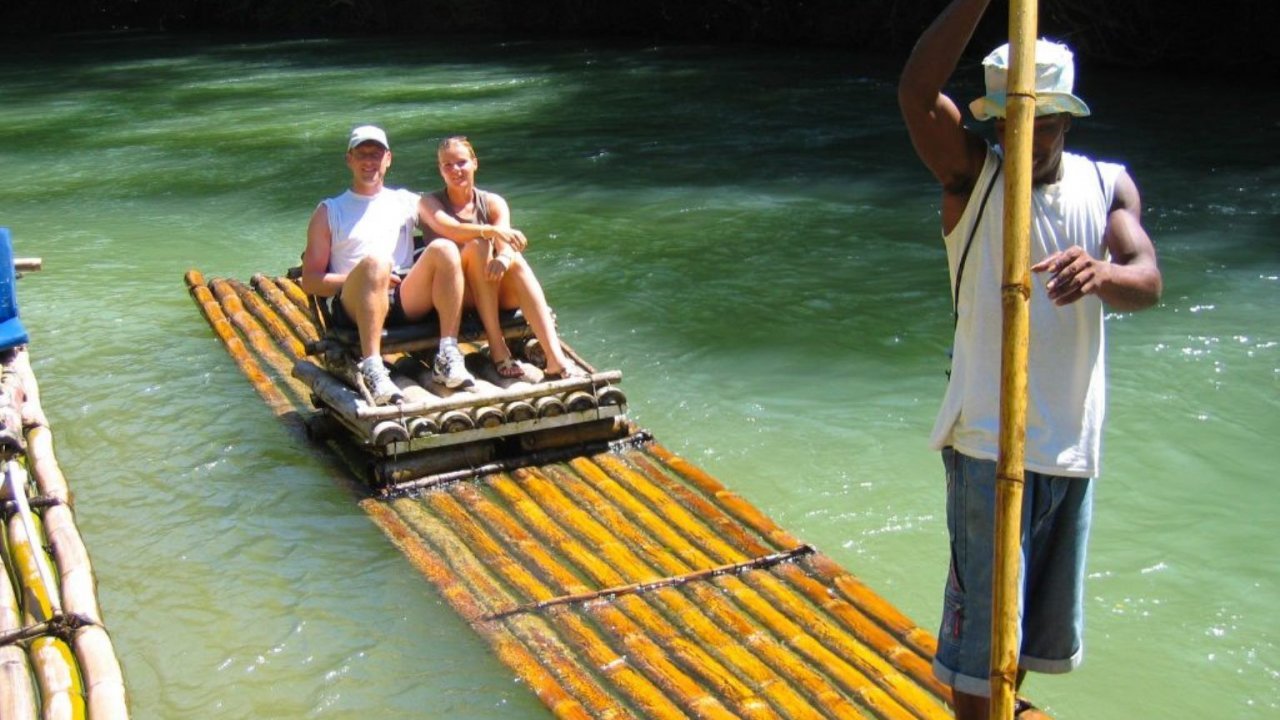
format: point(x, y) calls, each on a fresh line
point(1066, 379)
point(380, 225)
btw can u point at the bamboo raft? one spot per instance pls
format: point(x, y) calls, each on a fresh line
point(56, 659)
point(615, 578)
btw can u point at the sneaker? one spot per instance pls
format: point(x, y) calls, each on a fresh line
point(377, 381)
point(450, 370)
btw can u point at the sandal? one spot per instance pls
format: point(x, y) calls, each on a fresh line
point(510, 369)
point(570, 371)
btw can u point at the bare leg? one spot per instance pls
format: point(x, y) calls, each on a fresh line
point(519, 287)
point(435, 282)
point(484, 293)
point(364, 297)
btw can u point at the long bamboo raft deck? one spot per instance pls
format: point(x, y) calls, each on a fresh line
point(617, 580)
point(56, 659)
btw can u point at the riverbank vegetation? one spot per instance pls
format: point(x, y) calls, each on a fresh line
point(1231, 34)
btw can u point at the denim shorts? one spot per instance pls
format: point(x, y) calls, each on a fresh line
point(1056, 512)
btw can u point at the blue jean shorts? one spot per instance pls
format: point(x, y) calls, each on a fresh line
point(1056, 512)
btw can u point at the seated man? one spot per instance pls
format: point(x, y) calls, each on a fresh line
point(360, 253)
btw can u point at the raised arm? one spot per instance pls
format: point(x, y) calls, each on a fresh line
point(316, 278)
point(953, 154)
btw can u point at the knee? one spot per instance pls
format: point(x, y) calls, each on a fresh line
point(443, 252)
point(373, 270)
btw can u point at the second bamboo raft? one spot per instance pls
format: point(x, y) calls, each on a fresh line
point(617, 579)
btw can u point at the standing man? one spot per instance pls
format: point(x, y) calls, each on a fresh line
point(360, 253)
point(1088, 248)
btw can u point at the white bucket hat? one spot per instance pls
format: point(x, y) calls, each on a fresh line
point(1055, 77)
point(367, 133)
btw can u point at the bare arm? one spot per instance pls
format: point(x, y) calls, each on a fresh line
point(1131, 280)
point(953, 154)
point(499, 231)
point(316, 278)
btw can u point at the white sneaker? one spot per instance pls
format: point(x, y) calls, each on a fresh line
point(377, 381)
point(450, 369)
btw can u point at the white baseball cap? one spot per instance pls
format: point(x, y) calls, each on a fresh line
point(368, 133)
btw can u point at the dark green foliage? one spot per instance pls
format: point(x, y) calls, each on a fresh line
point(1228, 34)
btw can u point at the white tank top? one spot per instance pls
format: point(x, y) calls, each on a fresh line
point(381, 225)
point(1066, 368)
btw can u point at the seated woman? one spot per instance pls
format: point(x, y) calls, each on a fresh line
point(497, 275)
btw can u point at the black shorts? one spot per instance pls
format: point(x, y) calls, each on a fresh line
point(395, 310)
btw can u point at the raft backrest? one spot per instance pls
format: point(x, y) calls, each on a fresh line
point(12, 333)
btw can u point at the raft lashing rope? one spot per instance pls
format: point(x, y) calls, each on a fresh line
point(615, 578)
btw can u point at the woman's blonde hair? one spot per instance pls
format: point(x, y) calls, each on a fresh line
point(456, 140)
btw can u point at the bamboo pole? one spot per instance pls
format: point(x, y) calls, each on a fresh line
point(275, 325)
point(626, 517)
point(17, 691)
point(302, 322)
point(1015, 294)
point(103, 679)
point(33, 572)
point(884, 687)
point(275, 400)
point(872, 619)
point(657, 661)
point(736, 674)
point(74, 569)
point(774, 670)
point(58, 677)
point(409, 525)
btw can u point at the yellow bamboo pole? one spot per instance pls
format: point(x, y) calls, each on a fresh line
point(511, 641)
point(58, 677)
point(279, 329)
point(1015, 297)
point(622, 668)
point(222, 327)
point(17, 689)
point(653, 659)
point(302, 322)
point(868, 659)
point(760, 655)
point(732, 670)
point(872, 618)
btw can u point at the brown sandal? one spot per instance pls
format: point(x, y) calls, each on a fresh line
point(510, 369)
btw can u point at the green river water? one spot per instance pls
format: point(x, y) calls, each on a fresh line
point(747, 235)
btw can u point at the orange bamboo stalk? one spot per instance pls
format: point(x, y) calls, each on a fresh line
point(740, 508)
point(706, 620)
point(507, 646)
point(249, 328)
point(873, 621)
point(858, 669)
point(275, 325)
point(679, 609)
point(275, 400)
point(646, 654)
point(899, 625)
point(413, 516)
point(295, 293)
point(302, 321)
point(762, 644)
